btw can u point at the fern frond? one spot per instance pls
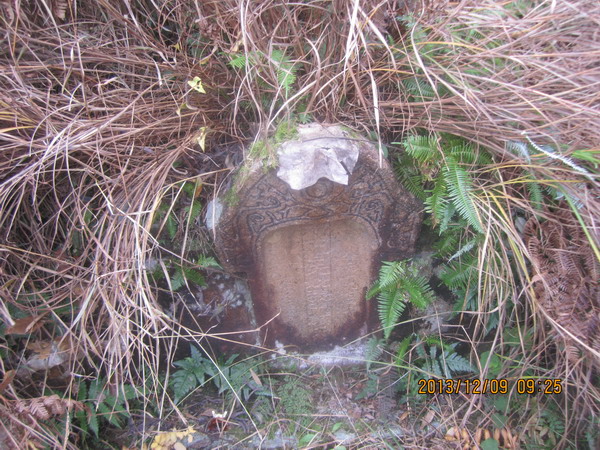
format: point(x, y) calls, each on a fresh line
point(434, 364)
point(194, 276)
point(419, 292)
point(465, 153)
point(403, 349)
point(437, 202)
point(397, 284)
point(465, 248)
point(420, 89)
point(208, 261)
point(285, 70)
point(177, 280)
point(410, 176)
point(455, 363)
point(238, 61)
point(389, 274)
point(373, 350)
point(535, 194)
point(448, 243)
point(458, 273)
point(422, 148)
point(460, 187)
point(447, 215)
point(519, 148)
point(391, 306)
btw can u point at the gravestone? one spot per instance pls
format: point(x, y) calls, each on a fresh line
point(310, 247)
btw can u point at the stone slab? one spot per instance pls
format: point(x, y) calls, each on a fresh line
point(310, 255)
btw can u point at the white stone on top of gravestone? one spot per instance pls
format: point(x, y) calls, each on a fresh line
point(318, 152)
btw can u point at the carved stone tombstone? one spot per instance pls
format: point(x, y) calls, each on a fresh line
point(309, 246)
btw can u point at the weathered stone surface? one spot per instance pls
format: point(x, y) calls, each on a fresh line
point(310, 254)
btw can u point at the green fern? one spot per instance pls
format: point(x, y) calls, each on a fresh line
point(242, 60)
point(373, 350)
point(397, 285)
point(419, 89)
point(467, 247)
point(458, 274)
point(437, 203)
point(208, 261)
point(422, 148)
point(389, 274)
point(447, 244)
point(193, 275)
point(410, 176)
point(460, 188)
point(419, 292)
point(103, 405)
point(441, 360)
point(192, 373)
point(285, 70)
point(464, 153)
point(392, 303)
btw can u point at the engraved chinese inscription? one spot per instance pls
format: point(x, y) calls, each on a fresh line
point(316, 275)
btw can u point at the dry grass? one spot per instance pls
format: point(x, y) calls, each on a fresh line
point(96, 110)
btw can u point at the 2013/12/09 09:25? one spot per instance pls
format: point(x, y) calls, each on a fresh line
point(489, 386)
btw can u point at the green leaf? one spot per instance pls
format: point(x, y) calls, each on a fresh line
point(422, 148)
point(189, 187)
point(409, 175)
point(436, 202)
point(455, 363)
point(82, 420)
point(285, 70)
point(535, 195)
point(495, 364)
point(389, 274)
point(501, 403)
point(465, 248)
point(464, 153)
point(419, 88)
point(208, 261)
point(460, 188)
point(373, 350)
point(239, 61)
point(178, 279)
point(306, 439)
point(460, 272)
point(500, 420)
point(194, 276)
point(419, 292)
point(196, 84)
point(391, 306)
point(82, 393)
point(403, 349)
point(185, 380)
point(95, 388)
point(591, 155)
point(196, 354)
point(93, 420)
point(193, 211)
point(171, 226)
point(112, 412)
point(128, 392)
point(448, 243)
point(490, 444)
